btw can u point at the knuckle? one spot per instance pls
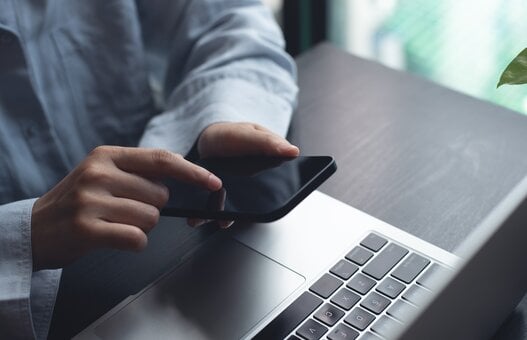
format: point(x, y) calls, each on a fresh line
point(80, 199)
point(162, 157)
point(105, 153)
point(259, 127)
point(102, 150)
point(199, 175)
point(94, 173)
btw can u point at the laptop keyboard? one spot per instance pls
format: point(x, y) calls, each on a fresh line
point(367, 295)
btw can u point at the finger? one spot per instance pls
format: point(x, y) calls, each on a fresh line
point(157, 163)
point(196, 222)
point(255, 140)
point(130, 212)
point(119, 236)
point(268, 144)
point(137, 188)
point(216, 200)
point(281, 145)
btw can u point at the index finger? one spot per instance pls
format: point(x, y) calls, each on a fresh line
point(158, 163)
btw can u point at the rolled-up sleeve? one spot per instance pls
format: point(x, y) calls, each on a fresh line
point(26, 297)
point(225, 63)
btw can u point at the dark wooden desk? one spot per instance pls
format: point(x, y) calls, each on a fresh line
point(421, 157)
point(426, 159)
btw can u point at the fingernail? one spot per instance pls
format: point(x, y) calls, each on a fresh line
point(214, 182)
point(225, 224)
point(288, 149)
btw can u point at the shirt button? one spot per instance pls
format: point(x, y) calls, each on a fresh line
point(6, 38)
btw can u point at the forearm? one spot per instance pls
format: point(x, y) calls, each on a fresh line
point(26, 298)
point(226, 64)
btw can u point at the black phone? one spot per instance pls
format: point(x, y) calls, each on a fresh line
point(255, 188)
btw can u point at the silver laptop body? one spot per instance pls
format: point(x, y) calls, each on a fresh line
point(240, 282)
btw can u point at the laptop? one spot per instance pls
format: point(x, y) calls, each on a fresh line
point(329, 271)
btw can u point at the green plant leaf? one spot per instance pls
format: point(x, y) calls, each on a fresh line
point(516, 72)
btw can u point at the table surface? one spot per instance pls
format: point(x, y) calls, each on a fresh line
point(421, 157)
point(426, 159)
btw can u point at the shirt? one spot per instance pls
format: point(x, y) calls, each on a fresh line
point(76, 74)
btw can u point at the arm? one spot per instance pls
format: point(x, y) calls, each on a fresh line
point(112, 199)
point(221, 61)
point(26, 297)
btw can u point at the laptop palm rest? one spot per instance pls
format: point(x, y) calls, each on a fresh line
point(221, 292)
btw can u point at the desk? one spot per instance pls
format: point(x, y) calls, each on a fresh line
point(421, 157)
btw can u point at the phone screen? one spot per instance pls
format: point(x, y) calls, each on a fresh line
point(258, 189)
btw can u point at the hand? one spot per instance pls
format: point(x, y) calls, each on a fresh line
point(110, 200)
point(243, 139)
point(240, 139)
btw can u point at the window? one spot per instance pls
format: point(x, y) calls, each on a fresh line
point(463, 45)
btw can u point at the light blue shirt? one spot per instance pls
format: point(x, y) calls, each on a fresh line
point(75, 74)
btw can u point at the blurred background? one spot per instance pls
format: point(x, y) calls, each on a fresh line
point(464, 45)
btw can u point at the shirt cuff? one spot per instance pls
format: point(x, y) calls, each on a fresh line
point(44, 287)
point(226, 100)
point(26, 298)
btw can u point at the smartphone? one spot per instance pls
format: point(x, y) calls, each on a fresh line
point(255, 188)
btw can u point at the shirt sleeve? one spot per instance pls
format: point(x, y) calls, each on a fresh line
point(26, 297)
point(221, 61)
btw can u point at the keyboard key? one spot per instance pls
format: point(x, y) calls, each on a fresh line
point(291, 317)
point(428, 279)
point(401, 310)
point(361, 283)
point(311, 330)
point(328, 314)
point(385, 261)
point(344, 269)
point(369, 336)
point(390, 287)
point(373, 242)
point(359, 255)
point(359, 318)
point(345, 299)
point(386, 326)
point(375, 303)
point(343, 332)
point(408, 270)
point(416, 295)
point(326, 285)
point(293, 337)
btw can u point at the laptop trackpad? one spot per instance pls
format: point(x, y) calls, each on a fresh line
point(220, 293)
